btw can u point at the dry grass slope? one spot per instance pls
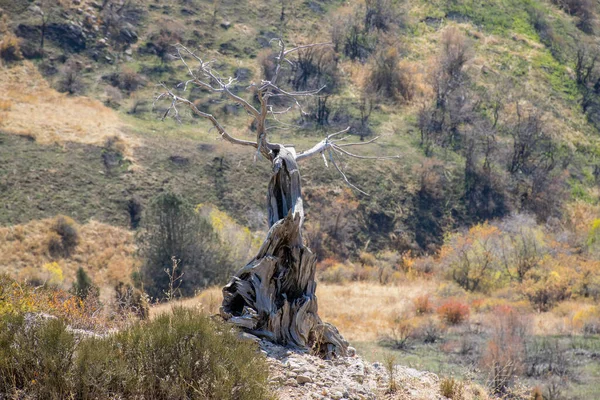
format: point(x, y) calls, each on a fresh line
point(30, 107)
point(106, 252)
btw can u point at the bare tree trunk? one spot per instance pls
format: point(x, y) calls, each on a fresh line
point(274, 295)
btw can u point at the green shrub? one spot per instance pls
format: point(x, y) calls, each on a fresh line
point(35, 356)
point(83, 285)
point(173, 229)
point(185, 355)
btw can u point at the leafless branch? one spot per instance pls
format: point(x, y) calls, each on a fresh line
point(336, 147)
point(307, 46)
point(223, 87)
point(203, 75)
point(176, 100)
point(344, 175)
point(359, 144)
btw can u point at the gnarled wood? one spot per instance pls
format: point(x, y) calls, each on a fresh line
point(274, 295)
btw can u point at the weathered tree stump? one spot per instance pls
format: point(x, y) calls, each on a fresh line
point(273, 296)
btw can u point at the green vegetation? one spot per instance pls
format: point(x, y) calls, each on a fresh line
point(184, 355)
point(83, 285)
point(181, 251)
point(532, 44)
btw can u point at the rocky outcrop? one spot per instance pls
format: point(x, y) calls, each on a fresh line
point(69, 37)
point(297, 375)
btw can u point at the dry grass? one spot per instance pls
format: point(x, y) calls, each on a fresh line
point(36, 110)
point(360, 310)
point(209, 300)
point(364, 310)
point(107, 254)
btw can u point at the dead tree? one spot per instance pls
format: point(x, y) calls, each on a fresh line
point(273, 296)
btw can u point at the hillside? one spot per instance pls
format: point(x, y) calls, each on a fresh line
point(432, 190)
point(491, 209)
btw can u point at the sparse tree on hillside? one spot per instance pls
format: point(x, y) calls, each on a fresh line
point(83, 285)
point(45, 12)
point(172, 229)
point(453, 105)
point(274, 295)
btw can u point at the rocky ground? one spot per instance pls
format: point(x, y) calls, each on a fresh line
point(298, 375)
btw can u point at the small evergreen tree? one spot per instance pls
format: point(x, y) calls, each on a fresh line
point(172, 228)
point(83, 285)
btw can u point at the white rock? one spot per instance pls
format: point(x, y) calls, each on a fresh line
point(301, 379)
point(291, 382)
point(336, 395)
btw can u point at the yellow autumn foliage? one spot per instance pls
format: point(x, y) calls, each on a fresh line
point(55, 273)
point(241, 244)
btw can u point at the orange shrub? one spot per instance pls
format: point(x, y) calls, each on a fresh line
point(454, 312)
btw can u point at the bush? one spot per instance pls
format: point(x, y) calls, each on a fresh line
point(588, 320)
point(400, 333)
point(70, 79)
point(549, 284)
point(127, 80)
point(379, 14)
point(35, 357)
point(181, 356)
point(423, 305)
point(390, 78)
point(546, 357)
point(473, 261)
point(454, 312)
point(131, 300)
point(504, 355)
point(162, 43)
point(83, 285)
point(172, 228)
point(523, 246)
point(584, 10)
point(430, 331)
point(134, 209)
point(112, 97)
point(452, 389)
point(63, 238)
point(389, 362)
point(10, 50)
point(315, 67)
point(349, 36)
point(441, 122)
point(19, 299)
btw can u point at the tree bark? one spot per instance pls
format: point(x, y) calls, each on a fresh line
point(273, 296)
